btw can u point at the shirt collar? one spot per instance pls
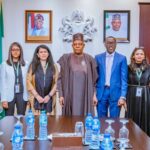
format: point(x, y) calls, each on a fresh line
point(109, 55)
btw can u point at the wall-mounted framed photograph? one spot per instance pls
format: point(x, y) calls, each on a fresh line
point(38, 26)
point(117, 24)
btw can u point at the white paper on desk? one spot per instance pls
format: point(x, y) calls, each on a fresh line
point(50, 137)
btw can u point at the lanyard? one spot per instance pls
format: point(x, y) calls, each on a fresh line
point(45, 73)
point(17, 72)
point(138, 74)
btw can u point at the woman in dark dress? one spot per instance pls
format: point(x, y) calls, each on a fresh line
point(41, 79)
point(138, 96)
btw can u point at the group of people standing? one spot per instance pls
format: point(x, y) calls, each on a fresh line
point(39, 79)
point(83, 82)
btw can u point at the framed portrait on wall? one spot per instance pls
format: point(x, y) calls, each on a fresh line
point(38, 26)
point(117, 24)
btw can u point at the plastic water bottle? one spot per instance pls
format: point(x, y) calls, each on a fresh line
point(107, 143)
point(30, 131)
point(43, 126)
point(88, 128)
point(95, 141)
point(17, 138)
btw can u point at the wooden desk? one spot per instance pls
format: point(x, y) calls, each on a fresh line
point(138, 139)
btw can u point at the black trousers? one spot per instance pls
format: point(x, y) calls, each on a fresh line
point(20, 105)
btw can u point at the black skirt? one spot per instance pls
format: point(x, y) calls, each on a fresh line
point(139, 107)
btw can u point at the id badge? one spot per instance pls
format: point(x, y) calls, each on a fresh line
point(17, 88)
point(139, 92)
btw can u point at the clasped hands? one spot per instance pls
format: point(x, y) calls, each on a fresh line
point(43, 100)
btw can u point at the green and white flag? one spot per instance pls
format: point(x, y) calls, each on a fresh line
point(2, 114)
point(107, 23)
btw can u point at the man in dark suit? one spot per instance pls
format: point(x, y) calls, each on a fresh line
point(112, 80)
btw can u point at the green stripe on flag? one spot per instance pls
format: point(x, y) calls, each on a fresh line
point(1, 31)
point(2, 114)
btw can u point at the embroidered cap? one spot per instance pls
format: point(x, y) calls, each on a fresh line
point(78, 36)
point(116, 16)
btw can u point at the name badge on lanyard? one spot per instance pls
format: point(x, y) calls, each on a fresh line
point(17, 88)
point(139, 74)
point(17, 85)
point(138, 92)
point(138, 89)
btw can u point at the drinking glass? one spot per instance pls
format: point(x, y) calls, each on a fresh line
point(124, 134)
point(123, 143)
point(79, 128)
point(109, 129)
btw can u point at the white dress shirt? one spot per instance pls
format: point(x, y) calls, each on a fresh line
point(109, 63)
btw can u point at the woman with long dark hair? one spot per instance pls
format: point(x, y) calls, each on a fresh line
point(41, 79)
point(13, 80)
point(138, 96)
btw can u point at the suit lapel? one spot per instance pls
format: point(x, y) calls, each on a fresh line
point(114, 63)
point(104, 63)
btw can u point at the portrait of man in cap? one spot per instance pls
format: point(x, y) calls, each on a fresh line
point(116, 22)
point(116, 25)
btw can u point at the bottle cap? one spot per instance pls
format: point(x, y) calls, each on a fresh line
point(29, 110)
point(17, 126)
point(95, 117)
point(106, 135)
point(43, 112)
point(89, 114)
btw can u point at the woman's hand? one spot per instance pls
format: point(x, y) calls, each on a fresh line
point(5, 104)
point(40, 99)
point(46, 98)
point(61, 101)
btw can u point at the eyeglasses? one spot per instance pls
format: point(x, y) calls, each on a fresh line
point(110, 43)
point(77, 44)
point(15, 49)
